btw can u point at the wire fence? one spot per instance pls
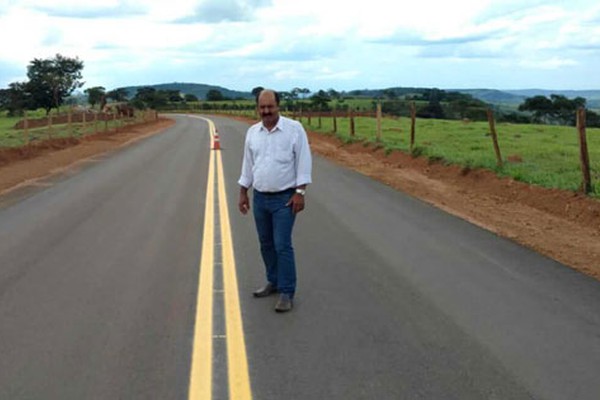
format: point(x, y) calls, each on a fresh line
point(77, 125)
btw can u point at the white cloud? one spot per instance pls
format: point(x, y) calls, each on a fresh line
point(215, 11)
point(307, 43)
point(551, 63)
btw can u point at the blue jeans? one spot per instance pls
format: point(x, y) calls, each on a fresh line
point(274, 224)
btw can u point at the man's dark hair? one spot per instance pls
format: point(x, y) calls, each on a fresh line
point(268, 90)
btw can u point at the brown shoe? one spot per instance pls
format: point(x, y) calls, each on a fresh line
point(266, 290)
point(285, 303)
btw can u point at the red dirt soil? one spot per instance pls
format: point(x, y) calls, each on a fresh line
point(562, 225)
point(22, 166)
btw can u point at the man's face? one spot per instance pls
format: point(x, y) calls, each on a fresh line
point(268, 109)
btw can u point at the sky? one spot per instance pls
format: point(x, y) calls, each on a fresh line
point(314, 44)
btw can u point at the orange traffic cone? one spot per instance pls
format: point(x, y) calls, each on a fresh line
point(216, 142)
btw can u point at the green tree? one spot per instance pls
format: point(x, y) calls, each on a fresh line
point(118, 95)
point(460, 106)
point(434, 108)
point(15, 99)
point(395, 107)
point(173, 96)
point(4, 99)
point(190, 97)
point(320, 100)
point(390, 94)
point(149, 97)
point(564, 109)
point(592, 119)
point(214, 95)
point(95, 94)
point(556, 109)
point(540, 106)
point(52, 80)
point(333, 94)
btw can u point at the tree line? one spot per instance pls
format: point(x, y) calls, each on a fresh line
point(558, 109)
point(429, 103)
point(51, 81)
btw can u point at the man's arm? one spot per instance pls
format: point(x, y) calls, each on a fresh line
point(246, 178)
point(244, 202)
point(303, 159)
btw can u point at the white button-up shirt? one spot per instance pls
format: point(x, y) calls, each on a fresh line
point(276, 160)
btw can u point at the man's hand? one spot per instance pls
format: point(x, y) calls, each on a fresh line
point(297, 203)
point(244, 203)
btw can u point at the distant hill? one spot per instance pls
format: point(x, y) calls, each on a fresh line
point(516, 97)
point(499, 97)
point(398, 91)
point(493, 96)
point(510, 98)
point(588, 94)
point(197, 89)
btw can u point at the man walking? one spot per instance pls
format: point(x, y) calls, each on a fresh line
point(277, 164)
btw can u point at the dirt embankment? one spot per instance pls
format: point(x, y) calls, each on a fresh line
point(21, 166)
point(562, 225)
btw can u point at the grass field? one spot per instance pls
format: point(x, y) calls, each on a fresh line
point(543, 155)
point(11, 137)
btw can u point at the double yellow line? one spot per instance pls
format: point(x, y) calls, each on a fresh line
point(201, 375)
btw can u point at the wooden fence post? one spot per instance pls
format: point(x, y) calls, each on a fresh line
point(490, 116)
point(26, 127)
point(586, 185)
point(413, 118)
point(95, 122)
point(334, 123)
point(70, 122)
point(83, 122)
point(49, 126)
point(352, 132)
point(379, 121)
point(320, 120)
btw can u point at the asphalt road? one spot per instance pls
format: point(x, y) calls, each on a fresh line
point(99, 273)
